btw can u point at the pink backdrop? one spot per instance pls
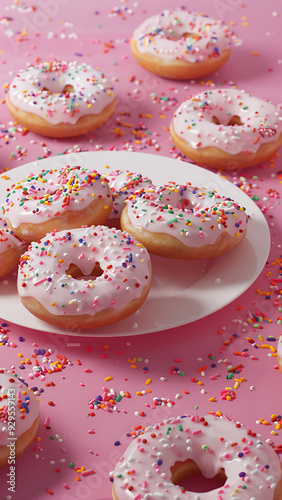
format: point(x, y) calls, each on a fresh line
point(98, 33)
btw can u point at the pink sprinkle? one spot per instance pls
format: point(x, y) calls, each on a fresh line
point(197, 432)
point(47, 421)
point(91, 431)
point(66, 486)
point(88, 472)
point(178, 360)
point(40, 281)
point(81, 256)
point(87, 370)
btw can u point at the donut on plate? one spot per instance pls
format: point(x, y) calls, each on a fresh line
point(61, 99)
point(57, 199)
point(124, 183)
point(165, 453)
point(11, 248)
point(227, 129)
point(19, 417)
point(49, 272)
point(181, 45)
point(184, 222)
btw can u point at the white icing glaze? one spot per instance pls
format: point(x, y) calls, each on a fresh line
point(25, 405)
point(48, 194)
point(162, 35)
point(124, 262)
point(8, 239)
point(261, 121)
point(91, 91)
point(124, 183)
point(251, 466)
point(194, 216)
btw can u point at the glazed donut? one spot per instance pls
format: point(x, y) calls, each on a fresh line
point(57, 199)
point(11, 248)
point(184, 222)
point(181, 45)
point(60, 99)
point(19, 421)
point(47, 282)
point(227, 129)
point(124, 183)
point(165, 453)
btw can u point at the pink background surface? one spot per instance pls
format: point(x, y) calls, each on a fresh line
point(203, 351)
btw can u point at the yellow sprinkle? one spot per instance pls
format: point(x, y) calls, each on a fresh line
point(139, 393)
point(133, 366)
point(20, 355)
point(148, 382)
point(278, 426)
point(212, 400)
point(265, 422)
point(274, 433)
point(89, 105)
point(162, 116)
point(236, 385)
point(107, 379)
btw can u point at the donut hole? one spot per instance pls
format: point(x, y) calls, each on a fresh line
point(189, 35)
point(66, 90)
point(75, 272)
point(234, 120)
point(188, 475)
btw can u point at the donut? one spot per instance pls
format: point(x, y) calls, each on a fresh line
point(48, 274)
point(184, 222)
point(11, 248)
point(181, 45)
point(60, 99)
point(19, 417)
point(155, 462)
point(124, 183)
point(58, 198)
point(227, 129)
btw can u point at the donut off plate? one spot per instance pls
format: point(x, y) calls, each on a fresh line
point(181, 291)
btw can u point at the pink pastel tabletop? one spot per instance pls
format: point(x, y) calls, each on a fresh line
point(225, 362)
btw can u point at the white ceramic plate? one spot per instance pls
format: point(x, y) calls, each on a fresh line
point(181, 291)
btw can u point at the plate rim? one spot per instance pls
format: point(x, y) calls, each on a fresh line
point(219, 177)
